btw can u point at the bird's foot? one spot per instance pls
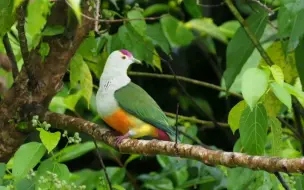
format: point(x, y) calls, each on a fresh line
point(119, 139)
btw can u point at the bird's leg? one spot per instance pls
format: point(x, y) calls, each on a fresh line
point(120, 138)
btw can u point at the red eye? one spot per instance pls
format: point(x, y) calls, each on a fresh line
point(123, 57)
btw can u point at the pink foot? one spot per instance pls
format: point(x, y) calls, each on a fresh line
point(119, 139)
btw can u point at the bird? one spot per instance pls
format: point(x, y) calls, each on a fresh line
point(125, 106)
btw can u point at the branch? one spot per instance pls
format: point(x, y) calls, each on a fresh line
point(255, 42)
point(185, 79)
point(194, 120)
point(21, 35)
point(10, 54)
point(154, 147)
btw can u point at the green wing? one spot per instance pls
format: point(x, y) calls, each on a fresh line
point(136, 101)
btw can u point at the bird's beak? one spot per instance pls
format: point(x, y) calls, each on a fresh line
point(136, 61)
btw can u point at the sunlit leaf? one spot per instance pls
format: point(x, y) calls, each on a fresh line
point(253, 129)
point(61, 170)
point(282, 94)
point(276, 136)
point(175, 31)
point(235, 115)
point(286, 63)
point(26, 158)
point(272, 104)
point(206, 26)
point(44, 49)
point(277, 74)
point(75, 5)
point(139, 25)
point(254, 85)
point(37, 12)
point(49, 140)
point(229, 28)
point(240, 47)
point(156, 8)
point(80, 72)
point(296, 92)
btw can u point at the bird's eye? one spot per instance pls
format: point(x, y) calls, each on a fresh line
point(123, 57)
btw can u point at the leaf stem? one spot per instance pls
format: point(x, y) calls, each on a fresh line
point(255, 42)
point(194, 120)
point(185, 79)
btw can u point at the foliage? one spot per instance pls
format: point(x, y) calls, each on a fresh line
point(268, 92)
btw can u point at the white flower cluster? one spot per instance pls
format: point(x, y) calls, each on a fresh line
point(75, 139)
point(37, 123)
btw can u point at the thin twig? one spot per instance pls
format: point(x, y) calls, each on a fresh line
point(194, 120)
point(176, 122)
point(282, 181)
point(185, 79)
point(298, 121)
point(116, 20)
point(97, 15)
point(10, 54)
point(21, 35)
point(263, 6)
point(102, 164)
point(256, 43)
point(209, 6)
point(295, 132)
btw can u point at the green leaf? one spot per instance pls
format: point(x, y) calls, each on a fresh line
point(296, 92)
point(277, 74)
point(235, 182)
point(156, 8)
point(285, 62)
point(175, 31)
point(131, 158)
point(156, 61)
point(75, 5)
point(26, 158)
point(2, 172)
point(37, 12)
point(155, 33)
point(161, 184)
point(276, 136)
point(240, 47)
point(116, 174)
point(196, 181)
point(80, 72)
point(290, 17)
point(254, 85)
point(3, 188)
point(52, 30)
point(272, 104)
point(299, 56)
point(139, 25)
point(7, 17)
point(87, 177)
point(229, 28)
point(49, 140)
point(61, 170)
point(25, 184)
point(73, 151)
point(193, 8)
point(206, 26)
point(136, 44)
point(70, 101)
point(253, 129)
point(44, 49)
point(235, 115)
point(282, 94)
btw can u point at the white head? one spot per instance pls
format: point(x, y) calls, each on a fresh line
point(118, 63)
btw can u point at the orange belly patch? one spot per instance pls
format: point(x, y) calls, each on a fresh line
point(120, 121)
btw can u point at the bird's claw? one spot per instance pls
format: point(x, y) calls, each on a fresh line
point(119, 139)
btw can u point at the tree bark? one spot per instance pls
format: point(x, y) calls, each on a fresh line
point(44, 82)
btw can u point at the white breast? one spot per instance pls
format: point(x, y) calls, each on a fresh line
point(105, 100)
